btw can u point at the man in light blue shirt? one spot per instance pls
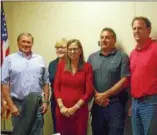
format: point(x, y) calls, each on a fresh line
point(22, 73)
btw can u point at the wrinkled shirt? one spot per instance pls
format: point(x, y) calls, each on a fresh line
point(143, 66)
point(24, 74)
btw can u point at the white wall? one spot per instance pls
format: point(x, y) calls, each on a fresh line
point(50, 21)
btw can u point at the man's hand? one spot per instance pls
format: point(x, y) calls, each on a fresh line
point(101, 99)
point(5, 112)
point(103, 103)
point(44, 108)
point(130, 110)
point(6, 93)
point(14, 110)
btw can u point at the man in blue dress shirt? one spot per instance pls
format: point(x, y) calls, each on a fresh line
point(22, 73)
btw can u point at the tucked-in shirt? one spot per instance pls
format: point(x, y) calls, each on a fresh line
point(108, 70)
point(143, 65)
point(25, 74)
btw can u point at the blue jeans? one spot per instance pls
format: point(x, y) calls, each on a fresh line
point(142, 112)
point(37, 128)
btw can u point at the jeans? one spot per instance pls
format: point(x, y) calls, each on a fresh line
point(37, 128)
point(142, 112)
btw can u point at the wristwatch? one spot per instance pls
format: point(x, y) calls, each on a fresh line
point(46, 101)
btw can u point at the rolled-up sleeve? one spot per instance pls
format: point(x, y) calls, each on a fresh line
point(88, 84)
point(45, 74)
point(6, 71)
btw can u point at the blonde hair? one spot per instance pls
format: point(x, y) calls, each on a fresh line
point(81, 59)
point(61, 42)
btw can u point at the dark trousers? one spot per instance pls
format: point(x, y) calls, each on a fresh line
point(53, 113)
point(108, 120)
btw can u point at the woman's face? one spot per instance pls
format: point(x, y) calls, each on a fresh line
point(61, 50)
point(74, 51)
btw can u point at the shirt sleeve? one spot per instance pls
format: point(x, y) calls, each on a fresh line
point(45, 74)
point(125, 66)
point(89, 91)
point(89, 59)
point(6, 70)
point(57, 81)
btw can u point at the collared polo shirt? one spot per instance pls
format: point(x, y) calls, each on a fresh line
point(143, 65)
point(108, 70)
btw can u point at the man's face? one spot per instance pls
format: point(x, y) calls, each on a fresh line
point(140, 31)
point(61, 50)
point(107, 40)
point(25, 44)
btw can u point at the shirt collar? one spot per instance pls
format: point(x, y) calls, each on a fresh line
point(110, 53)
point(145, 45)
point(24, 55)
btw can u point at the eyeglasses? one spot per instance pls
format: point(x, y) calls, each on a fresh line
point(73, 49)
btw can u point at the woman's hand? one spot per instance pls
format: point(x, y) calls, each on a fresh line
point(63, 110)
point(71, 111)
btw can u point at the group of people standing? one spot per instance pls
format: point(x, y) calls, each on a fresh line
point(105, 78)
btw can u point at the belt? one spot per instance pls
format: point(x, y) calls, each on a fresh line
point(151, 97)
point(113, 100)
point(17, 100)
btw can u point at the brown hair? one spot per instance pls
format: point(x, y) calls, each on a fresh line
point(68, 60)
point(145, 19)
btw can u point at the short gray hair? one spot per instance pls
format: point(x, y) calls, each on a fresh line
point(25, 34)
